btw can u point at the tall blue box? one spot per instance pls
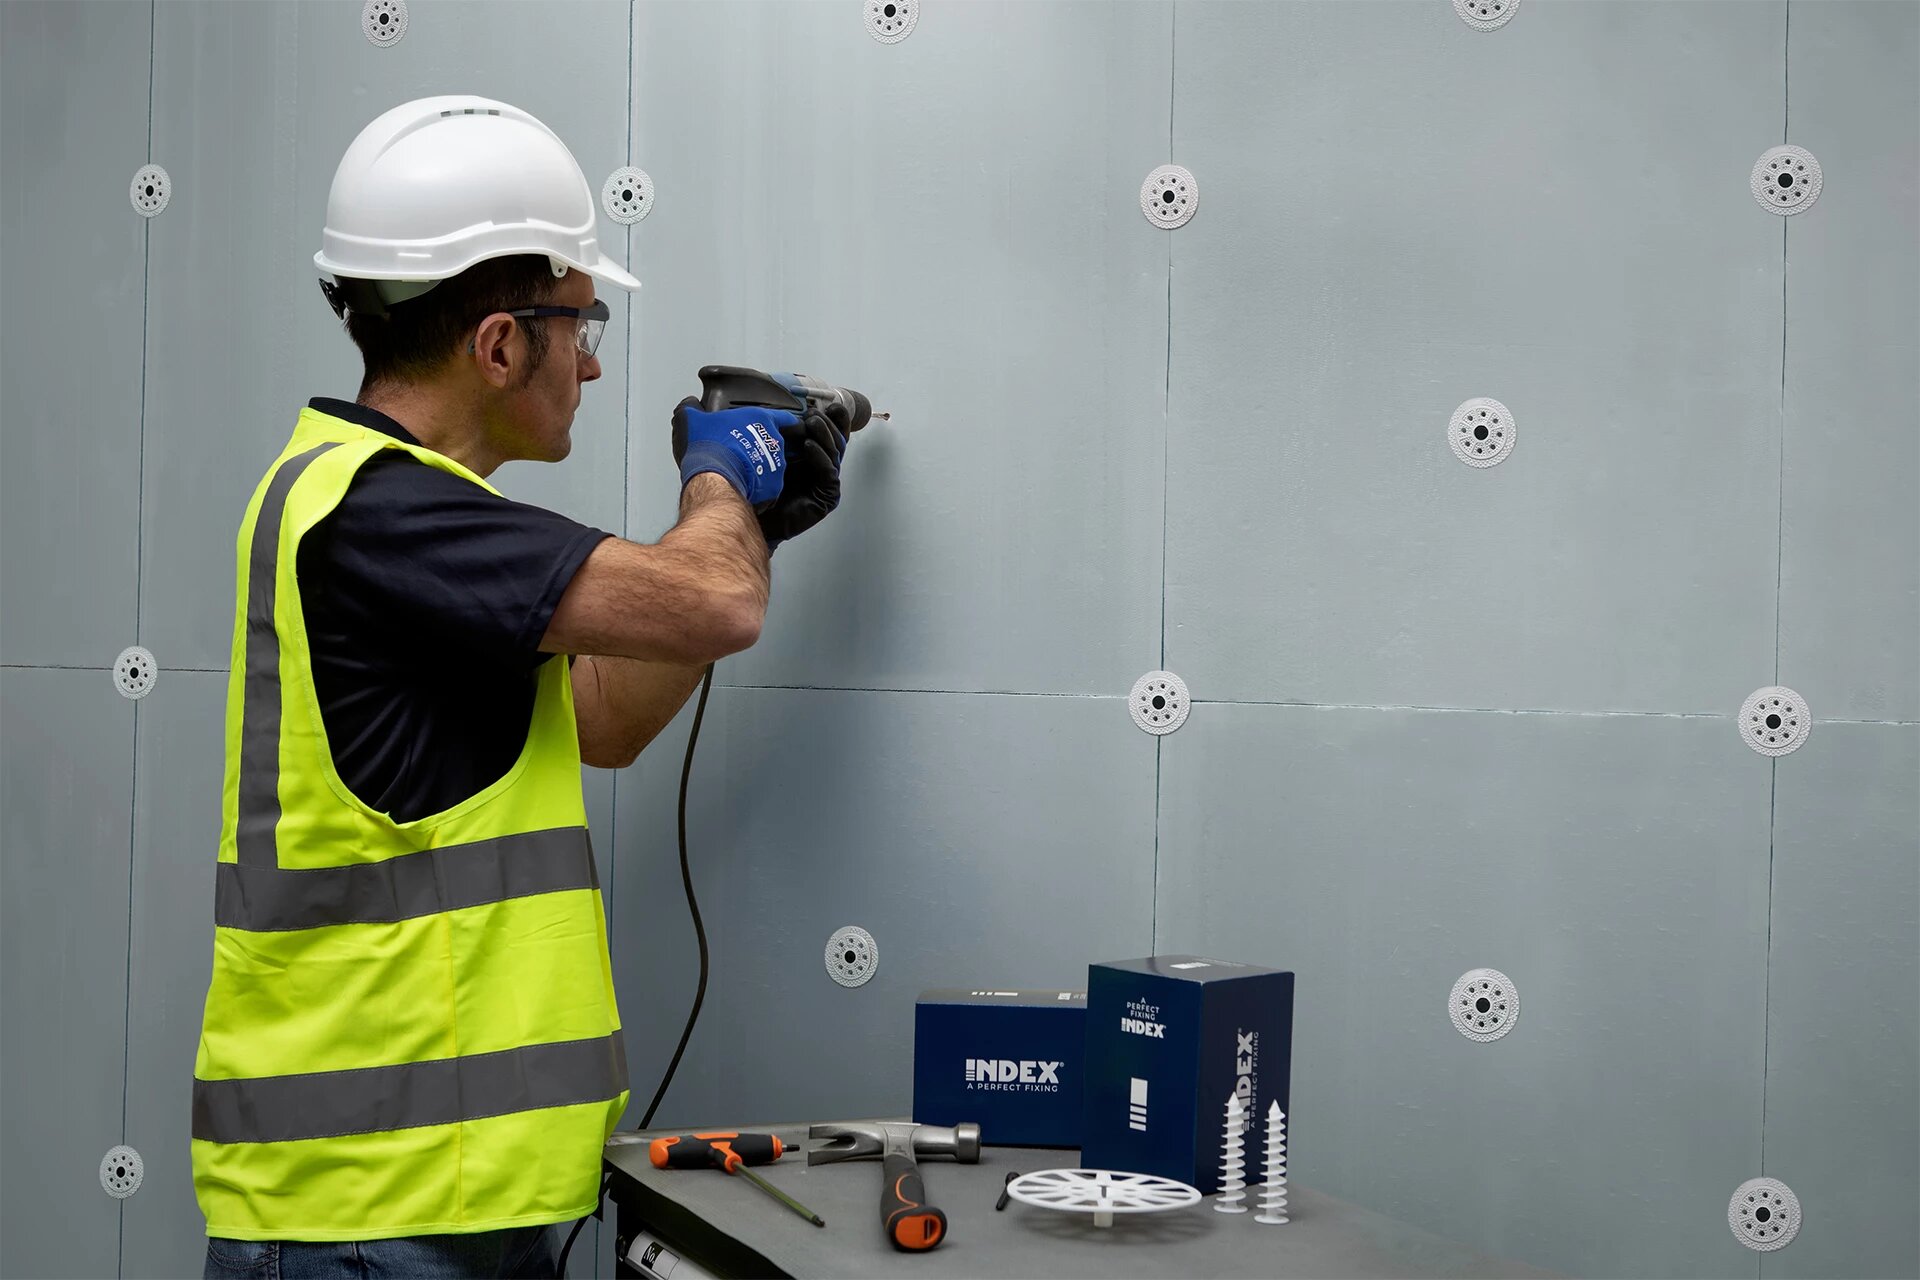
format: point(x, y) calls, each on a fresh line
point(1008, 1061)
point(1168, 1039)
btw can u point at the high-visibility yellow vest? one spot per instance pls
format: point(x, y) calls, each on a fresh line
point(411, 1026)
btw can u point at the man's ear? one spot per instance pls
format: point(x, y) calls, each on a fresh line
point(490, 349)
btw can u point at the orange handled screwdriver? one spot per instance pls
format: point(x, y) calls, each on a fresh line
point(731, 1153)
point(698, 1150)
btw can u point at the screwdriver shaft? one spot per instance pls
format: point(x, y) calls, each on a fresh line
point(782, 1197)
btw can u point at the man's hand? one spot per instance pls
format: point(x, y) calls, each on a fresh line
point(742, 446)
point(815, 446)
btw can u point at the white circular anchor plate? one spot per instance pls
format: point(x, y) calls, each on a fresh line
point(1786, 180)
point(1764, 1214)
point(1101, 1192)
point(150, 190)
point(1482, 432)
point(1484, 1005)
point(121, 1172)
point(628, 195)
point(1775, 721)
point(1169, 197)
point(1159, 702)
point(891, 21)
point(852, 956)
point(384, 21)
point(134, 672)
point(1486, 15)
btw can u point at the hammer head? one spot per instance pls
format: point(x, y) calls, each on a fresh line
point(873, 1140)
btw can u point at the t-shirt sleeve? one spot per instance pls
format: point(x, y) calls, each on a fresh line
point(446, 563)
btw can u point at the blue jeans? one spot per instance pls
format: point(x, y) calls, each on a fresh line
point(532, 1252)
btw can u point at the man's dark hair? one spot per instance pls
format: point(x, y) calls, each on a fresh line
point(416, 337)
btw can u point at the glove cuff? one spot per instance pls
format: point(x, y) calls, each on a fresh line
point(704, 455)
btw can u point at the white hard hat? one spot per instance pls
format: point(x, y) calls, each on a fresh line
point(438, 184)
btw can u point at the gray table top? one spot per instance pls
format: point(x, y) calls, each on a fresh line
point(1326, 1237)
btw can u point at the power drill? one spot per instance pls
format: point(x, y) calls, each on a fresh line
point(724, 386)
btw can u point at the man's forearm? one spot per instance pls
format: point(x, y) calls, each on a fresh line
point(623, 703)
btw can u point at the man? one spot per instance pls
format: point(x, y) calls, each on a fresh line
point(411, 1055)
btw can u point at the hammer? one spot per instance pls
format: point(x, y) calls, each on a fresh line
point(906, 1217)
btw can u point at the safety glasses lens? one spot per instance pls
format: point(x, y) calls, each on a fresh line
point(590, 331)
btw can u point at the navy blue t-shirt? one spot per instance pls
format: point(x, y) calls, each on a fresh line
point(426, 598)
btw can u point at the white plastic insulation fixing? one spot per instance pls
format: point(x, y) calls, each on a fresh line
point(1775, 721)
point(1764, 1214)
point(852, 956)
point(1786, 180)
point(1169, 197)
point(628, 195)
point(151, 190)
point(1159, 702)
point(891, 21)
point(1482, 432)
point(1484, 1005)
point(134, 672)
point(384, 21)
point(1101, 1192)
point(1486, 15)
point(121, 1172)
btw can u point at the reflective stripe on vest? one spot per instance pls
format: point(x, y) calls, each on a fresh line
point(330, 1104)
point(411, 1027)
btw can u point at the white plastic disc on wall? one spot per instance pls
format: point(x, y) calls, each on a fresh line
point(1159, 702)
point(121, 1172)
point(134, 672)
point(1485, 15)
point(150, 191)
point(1775, 721)
point(1482, 432)
point(628, 195)
point(852, 956)
point(1786, 180)
point(1764, 1214)
point(1484, 1005)
point(891, 21)
point(384, 21)
point(1169, 196)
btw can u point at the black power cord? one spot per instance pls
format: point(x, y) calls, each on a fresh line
point(699, 932)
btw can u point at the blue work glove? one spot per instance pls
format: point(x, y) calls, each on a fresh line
point(814, 447)
point(743, 446)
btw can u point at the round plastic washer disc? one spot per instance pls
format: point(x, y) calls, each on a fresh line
point(852, 956)
point(384, 21)
point(1764, 1214)
point(1169, 197)
point(1485, 15)
point(891, 21)
point(1101, 1192)
point(1484, 1005)
point(121, 1172)
point(1786, 180)
point(628, 195)
point(1159, 702)
point(1482, 432)
point(134, 672)
point(1775, 721)
point(151, 190)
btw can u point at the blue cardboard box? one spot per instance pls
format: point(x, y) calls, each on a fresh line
point(1168, 1039)
point(1008, 1061)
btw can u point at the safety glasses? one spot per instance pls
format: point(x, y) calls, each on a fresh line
point(593, 321)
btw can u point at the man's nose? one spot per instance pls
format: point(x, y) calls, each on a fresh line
point(590, 371)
